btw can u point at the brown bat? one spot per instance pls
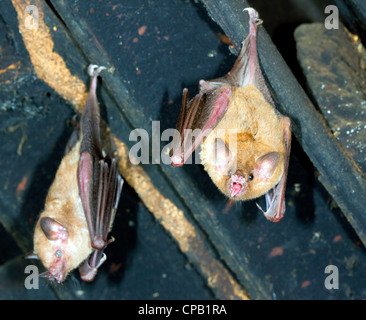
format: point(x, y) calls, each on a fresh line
point(81, 204)
point(245, 141)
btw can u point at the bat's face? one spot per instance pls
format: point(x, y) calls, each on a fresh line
point(55, 263)
point(242, 171)
point(50, 239)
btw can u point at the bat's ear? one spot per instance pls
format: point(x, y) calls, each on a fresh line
point(52, 229)
point(266, 165)
point(222, 155)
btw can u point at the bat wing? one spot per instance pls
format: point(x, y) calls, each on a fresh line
point(275, 198)
point(246, 69)
point(100, 184)
point(100, 206)
point(197, 118)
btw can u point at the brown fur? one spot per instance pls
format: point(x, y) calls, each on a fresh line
point(63, 204)
point(257, 129)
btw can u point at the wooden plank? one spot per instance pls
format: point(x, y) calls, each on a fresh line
point(353, 15)
point(338, 172)
point(332, 64)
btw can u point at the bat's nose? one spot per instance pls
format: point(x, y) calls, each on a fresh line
point(239, 175)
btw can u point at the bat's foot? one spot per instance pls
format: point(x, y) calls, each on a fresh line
point(254, 16)
point(94, 70)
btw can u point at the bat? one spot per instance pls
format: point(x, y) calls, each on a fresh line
point(81, 203)
point(245, 142)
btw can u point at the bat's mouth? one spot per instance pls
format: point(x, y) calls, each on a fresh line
point(237, 185)
point(236, 189)
point(57, 272)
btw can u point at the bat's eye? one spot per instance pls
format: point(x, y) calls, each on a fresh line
point(230, 172)
point(250, 177)
point(58, 253)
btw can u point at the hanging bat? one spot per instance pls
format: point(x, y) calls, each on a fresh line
point(245, 141)
point(81, 204)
